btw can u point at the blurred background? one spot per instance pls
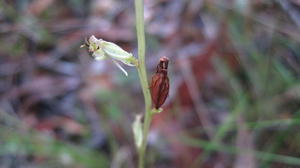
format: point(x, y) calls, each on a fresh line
point(234, 84)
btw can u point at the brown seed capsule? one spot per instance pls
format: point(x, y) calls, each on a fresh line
point(160, 83)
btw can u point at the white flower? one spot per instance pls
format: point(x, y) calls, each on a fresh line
point(101, 49)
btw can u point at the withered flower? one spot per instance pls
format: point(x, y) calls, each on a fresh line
point(160, 83)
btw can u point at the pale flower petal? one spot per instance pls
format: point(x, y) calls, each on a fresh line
point(120, 67)
point(118, 53)
point(99, 55)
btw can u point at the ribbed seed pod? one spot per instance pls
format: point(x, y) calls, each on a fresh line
point(160, 83)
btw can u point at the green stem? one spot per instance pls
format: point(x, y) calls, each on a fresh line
point(141, 68)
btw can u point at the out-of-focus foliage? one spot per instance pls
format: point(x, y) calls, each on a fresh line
point(234, 84)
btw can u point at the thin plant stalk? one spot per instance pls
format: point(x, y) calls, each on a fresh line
point(141, 68)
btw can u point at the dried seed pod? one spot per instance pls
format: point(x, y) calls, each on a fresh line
point(160, 83)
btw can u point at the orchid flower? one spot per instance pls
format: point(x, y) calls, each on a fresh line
point(101, 50)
